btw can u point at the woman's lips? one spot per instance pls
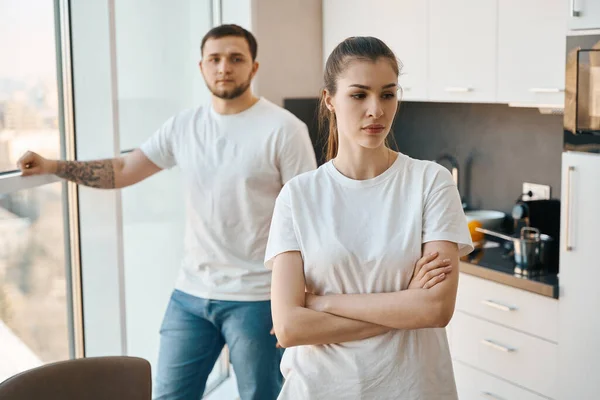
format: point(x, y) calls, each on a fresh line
point(374, 129)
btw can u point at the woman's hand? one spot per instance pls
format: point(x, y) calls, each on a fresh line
point(314, 302)
point(429, 271)
point(277, 345)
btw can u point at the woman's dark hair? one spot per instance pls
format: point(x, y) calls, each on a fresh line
point(231, 30)
point(353, 48)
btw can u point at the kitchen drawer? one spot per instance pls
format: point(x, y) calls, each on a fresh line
point(476, 385)
point(505, 305)
point(517, 357)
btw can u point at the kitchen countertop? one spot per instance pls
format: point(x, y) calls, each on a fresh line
point(492, 263)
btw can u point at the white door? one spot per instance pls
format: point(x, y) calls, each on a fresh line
point(584, 14)
point(531, 62)
point(401, 24)
point(579, 302)
point(462, 50)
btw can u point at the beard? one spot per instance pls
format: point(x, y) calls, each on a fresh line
point(230, 94)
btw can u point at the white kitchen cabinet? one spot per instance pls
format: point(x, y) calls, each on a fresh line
point(508, 306)
point(531, 51)
point(401, 24)
point(503, 342)
point(473, 51)
point(462, 50)
point(584, 14)
point(579, 329)
point(473, 384)
point(516, 357)
point(345, 18)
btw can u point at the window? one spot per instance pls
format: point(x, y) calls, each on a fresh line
point(28, 84)
point(49, 230)
point(36, 310)
point(34, 326)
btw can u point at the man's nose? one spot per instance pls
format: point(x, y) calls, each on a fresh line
point(225, 67)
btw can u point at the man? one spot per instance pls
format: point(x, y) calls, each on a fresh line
point(235, 155)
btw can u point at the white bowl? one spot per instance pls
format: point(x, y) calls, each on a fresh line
point(489, 219)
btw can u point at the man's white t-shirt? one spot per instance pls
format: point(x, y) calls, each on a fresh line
point(365, 236)
point(233, 168)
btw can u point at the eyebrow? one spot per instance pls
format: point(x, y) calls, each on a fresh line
point(389, 85)
point(227, 54)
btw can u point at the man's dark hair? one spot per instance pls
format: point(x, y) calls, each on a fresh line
point(231, 30)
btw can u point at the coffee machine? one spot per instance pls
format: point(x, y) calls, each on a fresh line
point(545, 216)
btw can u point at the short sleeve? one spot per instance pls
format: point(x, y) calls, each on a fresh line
point(282, 235)
point(296, 155)
point(443, 215)
point(159, 148)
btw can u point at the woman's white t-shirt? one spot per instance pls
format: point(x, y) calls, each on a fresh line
point(365, 236)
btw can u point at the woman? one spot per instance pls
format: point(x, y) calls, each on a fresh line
point(350, 234)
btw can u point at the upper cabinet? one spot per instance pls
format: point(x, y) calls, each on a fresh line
point(345, 18)
point(401, 24)
point(584, 14)
point(462, 50)
point(473, 51)
point(531, 51)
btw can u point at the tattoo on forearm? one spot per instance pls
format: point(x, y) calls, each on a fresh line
point(97, 174)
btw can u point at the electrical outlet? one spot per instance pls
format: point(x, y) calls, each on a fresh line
point(538, 192)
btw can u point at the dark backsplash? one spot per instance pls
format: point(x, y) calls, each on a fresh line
point(497, 147)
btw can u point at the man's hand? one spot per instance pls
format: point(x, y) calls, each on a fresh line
point(429, 271)
point(33, 164)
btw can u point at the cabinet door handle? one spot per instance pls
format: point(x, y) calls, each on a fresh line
point(455, 89)
point(546, 90)
point(492, 396)
point(498, 305)
point(498, 346)
point(569, 246)
point(574, 12)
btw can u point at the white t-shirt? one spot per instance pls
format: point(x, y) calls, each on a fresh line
point(365, 236)
point(233, 168)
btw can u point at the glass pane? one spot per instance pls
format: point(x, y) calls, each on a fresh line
point(33, 290)
point(158, 76)
point(28, 84)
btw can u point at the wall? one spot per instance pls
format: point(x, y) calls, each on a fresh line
point(289, 36)
point(237, 12)
point(497, 147)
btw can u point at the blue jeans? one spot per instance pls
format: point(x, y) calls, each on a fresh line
point(192, 335)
